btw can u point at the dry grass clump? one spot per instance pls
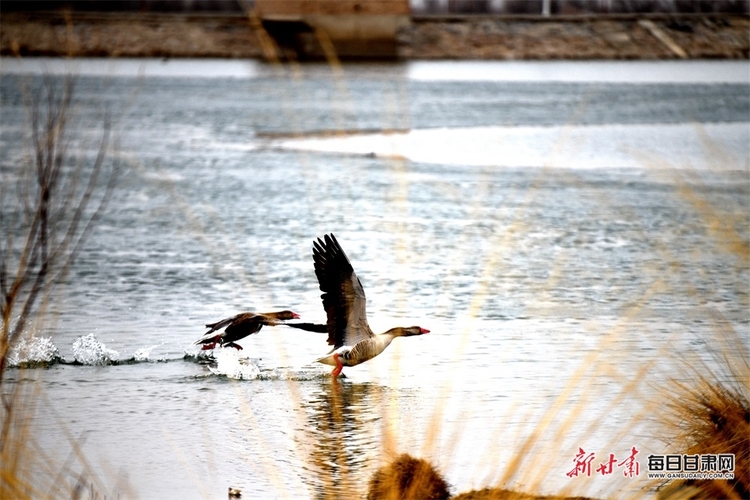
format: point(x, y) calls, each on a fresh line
point(502, 494)
point(408, 478)
point(712, 417)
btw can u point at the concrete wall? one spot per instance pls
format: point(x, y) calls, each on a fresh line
point(357, 28)
point(291, 8)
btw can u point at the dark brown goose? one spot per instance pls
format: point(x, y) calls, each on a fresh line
point(344, 301)
point(240, 326)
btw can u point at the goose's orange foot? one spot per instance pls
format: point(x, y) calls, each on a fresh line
point(336, 371)
point(236, 346)
point(208, 346)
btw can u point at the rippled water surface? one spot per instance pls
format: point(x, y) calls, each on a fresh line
point(564, 239)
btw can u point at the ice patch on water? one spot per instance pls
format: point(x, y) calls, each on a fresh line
point(88, 350)
point(230, 364)
point(34, 352)
point(568, 146)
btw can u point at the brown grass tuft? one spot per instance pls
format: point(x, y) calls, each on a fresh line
point(408, 478)
point(712, 418)
point(709, 413)
point(502, 494)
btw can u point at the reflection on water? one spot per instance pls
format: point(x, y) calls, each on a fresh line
point(342, 437)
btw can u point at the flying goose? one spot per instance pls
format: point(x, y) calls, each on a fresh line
point(344, 301)
point(240, 326)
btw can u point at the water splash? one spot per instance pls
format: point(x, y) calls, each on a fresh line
point(41, 352)
point(143, 355)
point(296, 374)
point(230, 364)
point(200, 357)
point(88, 350)
point(34, 352)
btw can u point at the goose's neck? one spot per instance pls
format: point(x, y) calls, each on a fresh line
point(393, 333)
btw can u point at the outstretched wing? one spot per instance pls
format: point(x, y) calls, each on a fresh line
point(224, 322)
point(343, 296)
point(237, 327)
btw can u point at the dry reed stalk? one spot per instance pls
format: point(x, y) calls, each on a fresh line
point(58, 199)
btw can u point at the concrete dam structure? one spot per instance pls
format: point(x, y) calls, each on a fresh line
point(350, 29)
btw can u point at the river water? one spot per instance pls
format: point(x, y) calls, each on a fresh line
point(570, 233)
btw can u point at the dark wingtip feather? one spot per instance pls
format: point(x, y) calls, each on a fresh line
point(207, 340)
point(310, 327)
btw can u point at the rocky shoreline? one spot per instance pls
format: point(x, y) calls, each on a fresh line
point(434, 37)
point(612, 37)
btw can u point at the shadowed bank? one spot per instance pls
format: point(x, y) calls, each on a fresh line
point(379, 30)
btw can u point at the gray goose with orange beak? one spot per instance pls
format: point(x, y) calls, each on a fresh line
point(344, 301)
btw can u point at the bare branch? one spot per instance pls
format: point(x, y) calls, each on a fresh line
point(61, 199)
